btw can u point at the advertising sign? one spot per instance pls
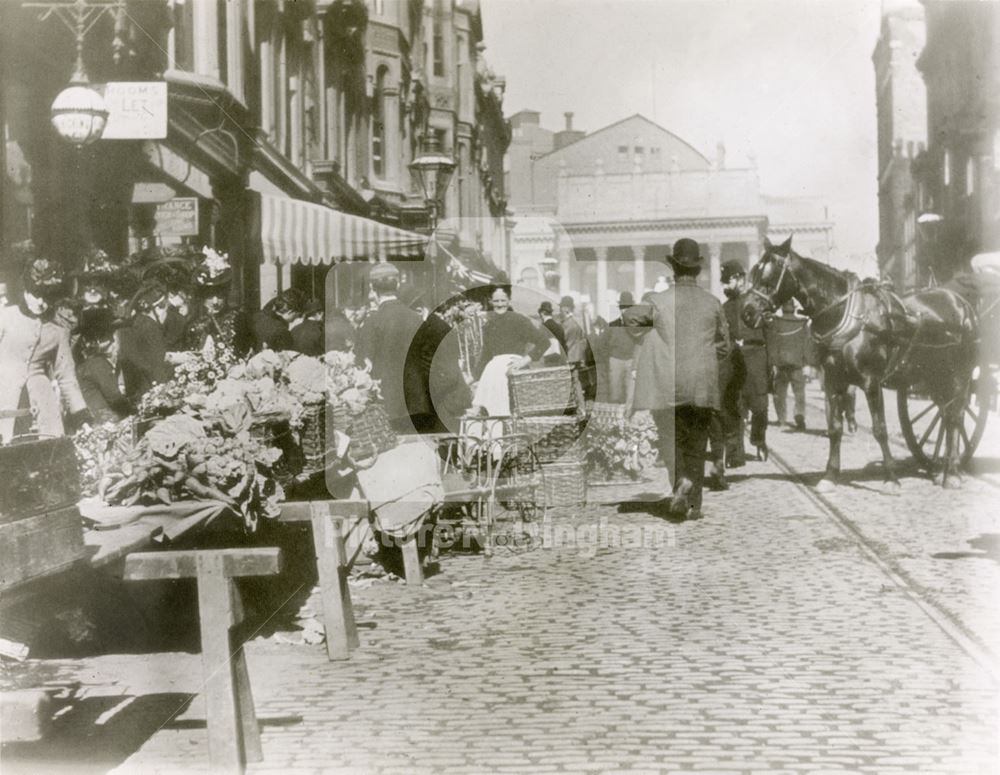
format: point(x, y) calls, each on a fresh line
point(177, 217)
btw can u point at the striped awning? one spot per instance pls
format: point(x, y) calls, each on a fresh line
point(297, 232)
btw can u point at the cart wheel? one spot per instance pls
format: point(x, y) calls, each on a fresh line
point(923, 425)
point(520, 488)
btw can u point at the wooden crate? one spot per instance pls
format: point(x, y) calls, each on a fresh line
point(39, 545)
point(38, 476)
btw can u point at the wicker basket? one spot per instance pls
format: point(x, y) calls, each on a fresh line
point(371, 433)
point(558, 437)
point(312, 438)
point(553, 390)
point(565, 484)
point(275, 432)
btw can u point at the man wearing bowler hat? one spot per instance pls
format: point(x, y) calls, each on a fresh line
point(677, 375)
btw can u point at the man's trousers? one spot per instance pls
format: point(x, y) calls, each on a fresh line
point(683, 443)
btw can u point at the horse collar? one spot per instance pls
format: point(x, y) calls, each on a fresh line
point(844, 329)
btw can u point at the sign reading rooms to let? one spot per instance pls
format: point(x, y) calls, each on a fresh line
point(177, 217)
point(137, 110)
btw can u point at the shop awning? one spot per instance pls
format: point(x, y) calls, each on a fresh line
point(297, 232)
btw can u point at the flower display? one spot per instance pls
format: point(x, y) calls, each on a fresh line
point(99, 448)
point(195, 373)
point(619, 447)
point(349, 384)
point(180, 457)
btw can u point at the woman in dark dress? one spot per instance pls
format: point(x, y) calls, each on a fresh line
point(509, 333)
point(97, 374)
point(226, 325)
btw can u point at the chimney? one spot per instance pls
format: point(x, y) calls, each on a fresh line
point(569, 121)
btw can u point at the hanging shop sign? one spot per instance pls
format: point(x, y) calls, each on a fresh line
point(137, 110)
point(177, 217)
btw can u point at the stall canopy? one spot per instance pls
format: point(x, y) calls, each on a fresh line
point(297, 232)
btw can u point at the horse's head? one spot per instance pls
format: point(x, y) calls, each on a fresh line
point(771, 283)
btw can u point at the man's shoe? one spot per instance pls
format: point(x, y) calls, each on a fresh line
point(800, 423)
point(716, 480)
point(680, 504)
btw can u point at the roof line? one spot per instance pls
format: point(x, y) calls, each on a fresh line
point(622, 121)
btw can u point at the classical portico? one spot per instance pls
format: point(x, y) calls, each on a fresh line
point(601, 260)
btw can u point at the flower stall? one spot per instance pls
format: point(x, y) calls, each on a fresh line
point(237, 431)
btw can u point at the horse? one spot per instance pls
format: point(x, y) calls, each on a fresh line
point(866, 335)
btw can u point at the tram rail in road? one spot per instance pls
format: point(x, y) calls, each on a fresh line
point(947, 621)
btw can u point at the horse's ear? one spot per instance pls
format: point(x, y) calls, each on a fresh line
point(787, 244)
point(768, 247)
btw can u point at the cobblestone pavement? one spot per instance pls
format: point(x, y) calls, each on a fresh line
point(761, 638)
point(944, 543)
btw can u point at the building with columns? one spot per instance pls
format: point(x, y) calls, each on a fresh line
point(604, 210)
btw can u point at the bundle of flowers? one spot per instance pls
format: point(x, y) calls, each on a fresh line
point(348, 384)
point(618, 447)
point(461, 311)
point(194, 373)
point(99, 448)
point(179, 457)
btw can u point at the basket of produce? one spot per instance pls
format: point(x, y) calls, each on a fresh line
point(556, 437)
point(551, 390)
point(565, 483)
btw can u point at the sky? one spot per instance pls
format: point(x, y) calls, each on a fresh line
point(790, 82)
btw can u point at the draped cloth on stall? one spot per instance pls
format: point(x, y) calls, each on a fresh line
point(402, 487)
point(296, 232)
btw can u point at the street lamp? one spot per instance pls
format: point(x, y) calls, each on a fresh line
point(433, 169)
point(79, 113)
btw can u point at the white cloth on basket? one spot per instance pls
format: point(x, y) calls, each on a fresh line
point(492, 392)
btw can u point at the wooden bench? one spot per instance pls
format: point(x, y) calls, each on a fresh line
point(233, 731)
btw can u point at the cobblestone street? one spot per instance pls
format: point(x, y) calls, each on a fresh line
point(770, 636)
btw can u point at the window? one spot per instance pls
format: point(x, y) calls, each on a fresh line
point(378, 123)
point(639, 150)
point(970, 176)
point(622, 153)
point(182, 36)
point(438, 41)
point(441, 136)
point(654, 152)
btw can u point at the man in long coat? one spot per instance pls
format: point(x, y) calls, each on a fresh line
point(385, 339)
point(677, 374)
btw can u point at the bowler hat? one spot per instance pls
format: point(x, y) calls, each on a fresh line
point(567, 302)
point(545, 308)
point(625, 299)
point(383, 272)
point(686, 253)
point(731, 269)
point(312, 307)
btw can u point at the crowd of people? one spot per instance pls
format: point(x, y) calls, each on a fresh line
point(679, 353)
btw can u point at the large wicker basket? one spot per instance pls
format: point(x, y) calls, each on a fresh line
point(552, 390)
point(371, 433)
point(312, 438)
point(276, 432)
point(565, 484)
point(556, 437)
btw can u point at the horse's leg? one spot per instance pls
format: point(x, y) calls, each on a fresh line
point(876, 404)
point(835, 431)
point(950, 477)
